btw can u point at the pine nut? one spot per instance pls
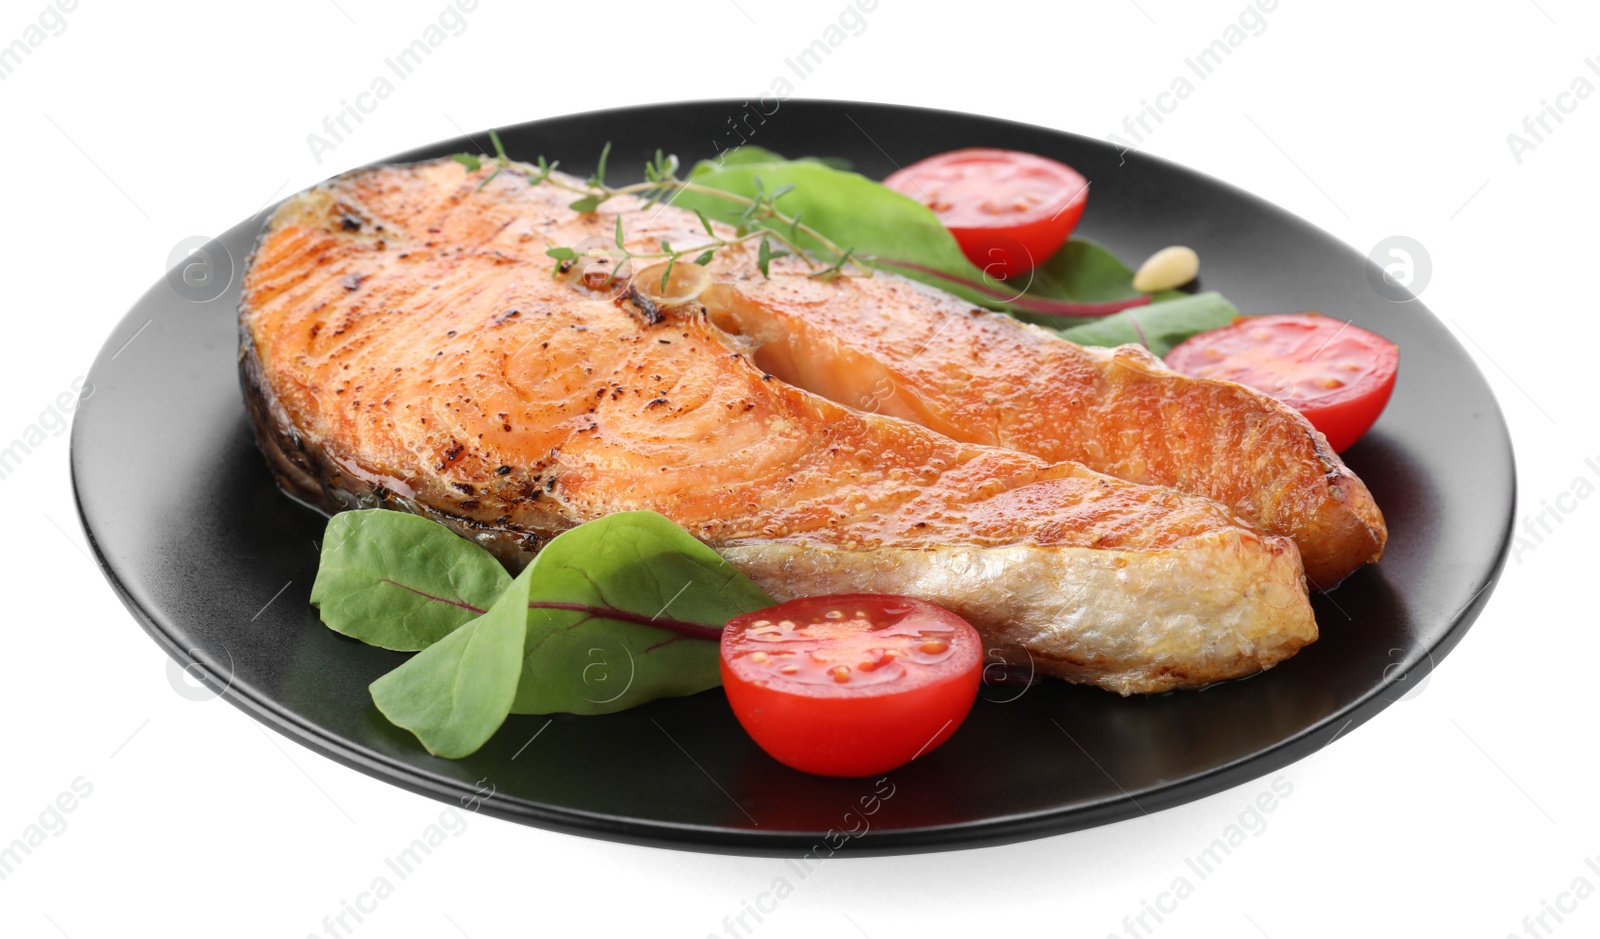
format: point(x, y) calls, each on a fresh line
point(1167, 269)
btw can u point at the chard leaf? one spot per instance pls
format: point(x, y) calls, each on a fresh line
point(596, 590)
point(456, 693)
point(1159, 326)
point(399, 581)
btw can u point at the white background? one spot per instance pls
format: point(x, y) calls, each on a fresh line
point(1455, 813)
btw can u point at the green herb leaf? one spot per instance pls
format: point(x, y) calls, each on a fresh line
point(619, 231)
point(468, 160)
point(705, 223)
point(835, 269)
point(764, 256)
point(584, 204)
point(499, 149)
point(705, 257)
point(667, 274)
point(400, 581)
point(561, 254)
point(640, 567)
point(456, 693)
point(1159, 326)
point(599, 177)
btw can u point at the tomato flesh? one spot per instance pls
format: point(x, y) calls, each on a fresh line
point(1008, 210)
point(850, 685)
point(1338, 375)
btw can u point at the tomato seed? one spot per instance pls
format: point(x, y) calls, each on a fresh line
point(841, 673)
point(760, 658)
point(934, 646)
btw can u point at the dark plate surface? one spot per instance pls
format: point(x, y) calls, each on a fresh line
point(218, 564)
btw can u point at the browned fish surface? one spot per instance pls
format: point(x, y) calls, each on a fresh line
point(888, 345)
point(405, 344)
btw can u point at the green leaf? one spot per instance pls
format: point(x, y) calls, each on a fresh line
point(903, 236)
point(835, 269)
point(468, 160)
point(640, 566)
point(561, 254)
point(499, 149)
point(667, 274)
point(750, 153)
point(1159, 326)
point(400, 581)
point(599, 177)
point(705, 223)
point(611, 614)
point(850, 209)
point(456, 693)
point(1081, 272)
point(584, 204)
point(764, 256)
point(619, 231)
point(706, 256)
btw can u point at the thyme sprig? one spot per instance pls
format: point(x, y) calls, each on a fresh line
point(776, 233)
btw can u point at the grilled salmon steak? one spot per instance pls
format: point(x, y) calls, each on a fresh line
point(404, 344)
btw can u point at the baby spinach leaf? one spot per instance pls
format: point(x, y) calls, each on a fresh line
point(611, 614)
point(851, 210)
point(400, 581)
point(457, 692)
point(1082, 280)
point(904, 236)
point(1159, 326)
point(613, 604)
point(750, 153)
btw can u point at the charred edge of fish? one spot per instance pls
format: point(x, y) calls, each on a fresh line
point(311, 475)
point(648, 309)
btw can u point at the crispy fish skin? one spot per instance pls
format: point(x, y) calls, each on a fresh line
point(903, 349)
point(403, 344)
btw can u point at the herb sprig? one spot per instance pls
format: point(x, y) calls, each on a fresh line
point(776, 233)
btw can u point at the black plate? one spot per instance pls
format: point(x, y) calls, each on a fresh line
point(199, 543)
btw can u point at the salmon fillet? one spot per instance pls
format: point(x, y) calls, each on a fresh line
point(405, 345)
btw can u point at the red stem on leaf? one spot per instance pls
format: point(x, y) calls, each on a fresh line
point(681, 627)
point(1038, 305)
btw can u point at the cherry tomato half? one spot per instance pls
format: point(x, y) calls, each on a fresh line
point(850, 685)
point(1009, 211)
point(1338, 375)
